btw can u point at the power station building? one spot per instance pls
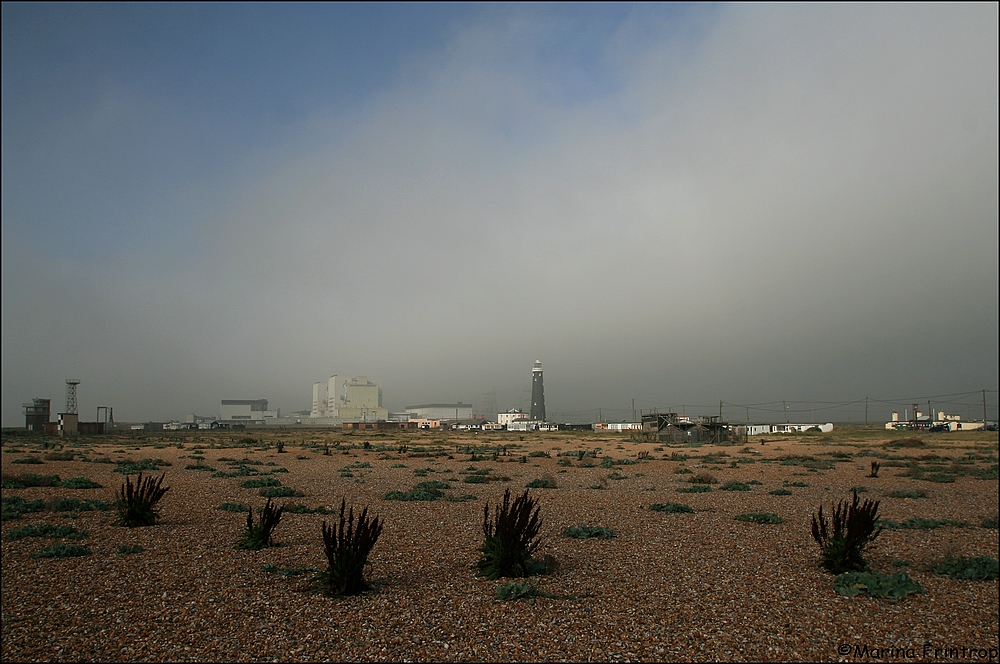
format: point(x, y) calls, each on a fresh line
point(354, 399)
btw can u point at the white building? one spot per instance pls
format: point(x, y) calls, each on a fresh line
point(507, 418)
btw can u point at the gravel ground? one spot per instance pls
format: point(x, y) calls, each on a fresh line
point(687, 586)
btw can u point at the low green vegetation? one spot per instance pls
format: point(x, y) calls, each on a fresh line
point(583, 531)
point(60, 550)
point(909, 493)
point(293, 570)
point(735, 486)
point(694, 488)
point(280, 492)
point(875, 584)
point(129, 550)
point(759, 517)
point(233, 507)
point(780, 492)
point(980, 568)
point(259, 534)
point(542, 483)
point(513, 590)
point(79, 483)
point(260, 482)
point(671, 508)
point(27, 480)
point(920, 523)
point(45, 530)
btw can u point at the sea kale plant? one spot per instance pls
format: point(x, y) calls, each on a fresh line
point(347, 545)
point(136, 504)
point(510, 538)
point(854, 529)
point(258, 535)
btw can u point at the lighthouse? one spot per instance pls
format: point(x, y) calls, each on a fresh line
point(537, 393)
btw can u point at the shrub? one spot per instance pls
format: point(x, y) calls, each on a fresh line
point(695, 488)
point(60, 456)
point(29, 460)
point(198, 466)
point(131, 467)
point(79, 483)
point(77, 505)
point(136, 504)
point(520, 590)
point(671, 508)
point(45, 530)
point(258, 535)
point(759, 517)
point(510, 538)
point(735, 486)
point(60, 550)
point(980, 568)
point(703, 478)
point(302, 509)
point(475, 479)
point(799, 485)
point(854, 529)
point(780, 492)
point(129, 550)
point(428, 494)
point(539, 453)
point(542, 483)
point(874, 584)
point(920, 523)
point(909, 493)
point(14, 506)
point(989, 522)
point(233, 507)
point(347, 546)
point(280, 492)
point(587, 532)
point(25, 480)
point(259, 483)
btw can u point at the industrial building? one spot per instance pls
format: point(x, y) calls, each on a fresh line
point(37, 414)
point(354, 399)
point(247, 411)
point(440, 411)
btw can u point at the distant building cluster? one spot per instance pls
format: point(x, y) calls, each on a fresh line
point(926, 422)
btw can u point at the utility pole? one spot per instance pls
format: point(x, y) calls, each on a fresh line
point(866, 411)
point(720, 410)
point(748, 414)
point(633, 409)
point(984, 409)
point(784, 407)
point(930, 414)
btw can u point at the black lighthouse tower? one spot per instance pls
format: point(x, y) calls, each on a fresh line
point(537, 393)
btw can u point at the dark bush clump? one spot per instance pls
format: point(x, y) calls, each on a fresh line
point(136, 504)
point(780, 492)
point(510, 538)
point(25, 480)
point(542, 483)
point(347, 545)
point(854, 529)
point(280, 492)
point(587, 532)
point(45, 530)
point(29, 460)
point(77, 505)
point(60, 550)
point(735, 486)
point(671, 508)
point(79, 483)
point(259, 483)
point(233, 507)
point(695, 488)
point(258, 535)
point(759, 517)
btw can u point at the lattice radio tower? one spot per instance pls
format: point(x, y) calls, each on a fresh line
point(71, 406)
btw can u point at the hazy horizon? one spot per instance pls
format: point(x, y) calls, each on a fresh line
point(675, 204)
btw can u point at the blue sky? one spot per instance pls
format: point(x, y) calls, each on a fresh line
point(663, 202)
